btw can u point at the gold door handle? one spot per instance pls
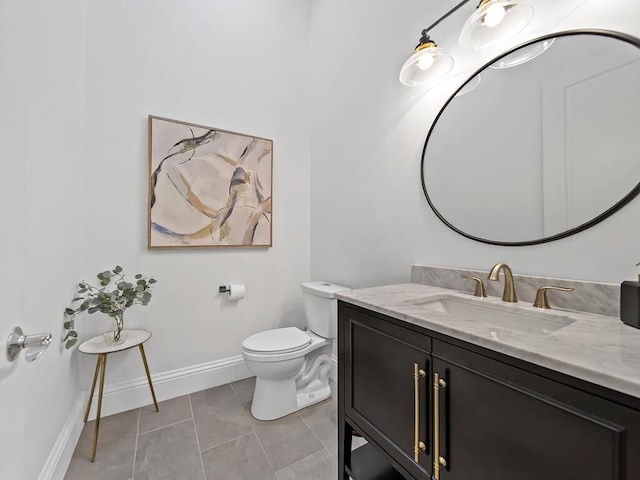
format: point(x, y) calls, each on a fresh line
point(438, 460)
point(418, 446)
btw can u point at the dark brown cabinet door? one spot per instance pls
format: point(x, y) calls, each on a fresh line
point(380, 393)
point(501, 423)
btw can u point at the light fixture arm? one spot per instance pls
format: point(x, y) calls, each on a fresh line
point(450, 12)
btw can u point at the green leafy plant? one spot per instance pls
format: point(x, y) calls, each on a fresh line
point(112, 297)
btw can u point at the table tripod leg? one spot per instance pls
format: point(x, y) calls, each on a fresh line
point(146, 369)
point(93, 387)
point(95, 435)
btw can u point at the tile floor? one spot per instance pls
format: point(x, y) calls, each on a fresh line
point(211, 435)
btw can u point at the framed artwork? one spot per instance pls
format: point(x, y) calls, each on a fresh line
point(208, 187)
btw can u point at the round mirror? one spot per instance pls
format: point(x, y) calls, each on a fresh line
point(545, 145)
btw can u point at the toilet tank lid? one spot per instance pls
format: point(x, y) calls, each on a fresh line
point(323, 289)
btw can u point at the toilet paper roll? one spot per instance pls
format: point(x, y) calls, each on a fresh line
point(236, 291)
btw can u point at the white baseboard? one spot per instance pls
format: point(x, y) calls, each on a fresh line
point(59, 458)
point(174, 383)
point(134, 394)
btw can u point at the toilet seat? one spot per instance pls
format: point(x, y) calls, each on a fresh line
point(277, 341)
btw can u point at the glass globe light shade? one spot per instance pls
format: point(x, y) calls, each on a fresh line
point(470, 85)
point(427, 65)
point(494, 22)
point(523, 55)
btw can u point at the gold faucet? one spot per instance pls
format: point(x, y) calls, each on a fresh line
point(509, 294)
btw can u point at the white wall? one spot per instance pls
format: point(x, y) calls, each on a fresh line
point(239, 66)
point(370, 220)
point(41, 132)
point(79, 78)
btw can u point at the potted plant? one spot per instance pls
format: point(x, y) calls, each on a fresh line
point(112, 297)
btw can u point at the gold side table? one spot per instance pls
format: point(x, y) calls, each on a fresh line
point(98, 346)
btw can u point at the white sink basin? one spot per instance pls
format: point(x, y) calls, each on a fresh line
point(499, 318)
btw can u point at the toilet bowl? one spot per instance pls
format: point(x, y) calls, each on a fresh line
point(292, 366)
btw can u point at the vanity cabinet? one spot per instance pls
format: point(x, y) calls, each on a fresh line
point(380, 368)
point(490, 417)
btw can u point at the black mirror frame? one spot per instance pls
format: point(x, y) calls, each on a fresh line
point(594, 221)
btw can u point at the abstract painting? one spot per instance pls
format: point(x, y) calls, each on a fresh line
point(208, 187)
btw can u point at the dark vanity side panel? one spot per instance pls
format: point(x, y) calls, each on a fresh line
point(539, 428)
point(379, 393)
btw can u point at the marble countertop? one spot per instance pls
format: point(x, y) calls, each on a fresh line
point(597, 348)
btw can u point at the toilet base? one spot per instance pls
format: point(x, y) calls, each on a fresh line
point(313, 393)
point(274, 399)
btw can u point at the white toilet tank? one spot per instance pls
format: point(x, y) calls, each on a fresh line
point(321, 307)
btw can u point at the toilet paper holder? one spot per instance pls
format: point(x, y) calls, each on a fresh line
point(234, 291)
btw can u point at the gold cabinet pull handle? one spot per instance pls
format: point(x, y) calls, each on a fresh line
point(438, 460)
point(418, 446)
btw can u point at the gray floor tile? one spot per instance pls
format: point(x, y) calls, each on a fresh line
point(218, 415)
point(319, 466)
point(244, 389)
point(357, 442)
point(286, 474)
point(169, 453)
point(239, 459)
point(233, 443)
point(313, 408)
point(171, 411)
point(285, 440)
point(116, 446)
point(322, 419)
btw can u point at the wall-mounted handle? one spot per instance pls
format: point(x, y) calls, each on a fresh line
point(438, 460)
point(34, 345)
point(418, 446)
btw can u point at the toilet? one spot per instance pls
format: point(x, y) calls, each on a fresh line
point(291, 365)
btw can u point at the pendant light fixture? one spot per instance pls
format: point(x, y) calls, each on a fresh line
point(428, 64)
point(494, 22)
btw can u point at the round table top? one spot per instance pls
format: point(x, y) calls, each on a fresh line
point(97, 344)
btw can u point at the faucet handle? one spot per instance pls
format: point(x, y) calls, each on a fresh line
point(541, 295)
point(479, 292)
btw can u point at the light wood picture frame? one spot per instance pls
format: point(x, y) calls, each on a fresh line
point(208, 187)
